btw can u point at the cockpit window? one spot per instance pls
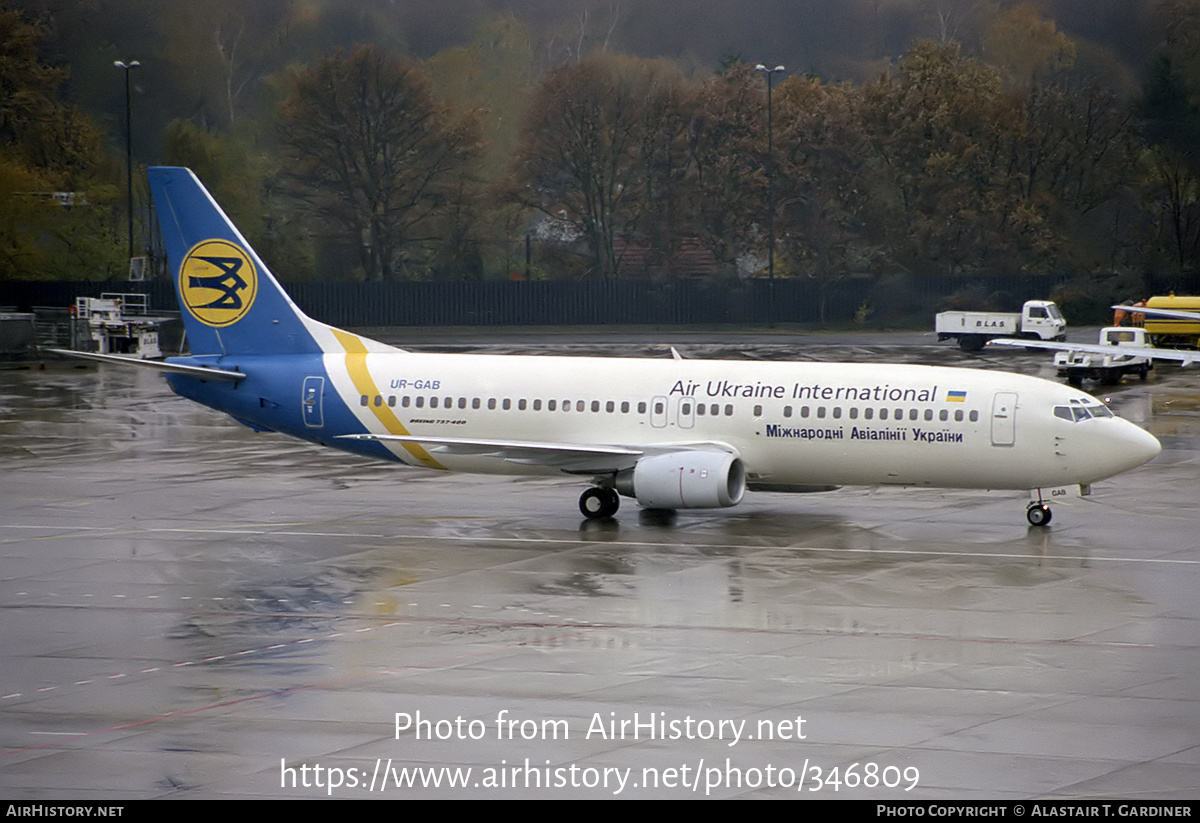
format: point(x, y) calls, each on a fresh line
point(1081, 410)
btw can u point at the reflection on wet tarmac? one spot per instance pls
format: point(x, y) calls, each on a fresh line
point(188, 604)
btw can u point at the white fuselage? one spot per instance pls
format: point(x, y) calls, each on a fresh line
point(790, 423)
point(671, 433)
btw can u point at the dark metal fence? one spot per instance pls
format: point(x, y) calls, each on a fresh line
point(615, 302)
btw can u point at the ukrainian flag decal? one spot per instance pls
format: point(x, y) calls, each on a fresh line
point(956, 397)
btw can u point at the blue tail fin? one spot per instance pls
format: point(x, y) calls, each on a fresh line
point(230, 301)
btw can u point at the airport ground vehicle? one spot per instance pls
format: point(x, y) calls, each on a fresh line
point(1122, 350)
point(1170, 322)
point(1108, 367)
point(1037, 320)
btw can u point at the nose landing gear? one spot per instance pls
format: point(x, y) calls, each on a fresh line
point(1038, 513)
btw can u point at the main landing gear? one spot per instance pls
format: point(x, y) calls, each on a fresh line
point(598, 504)
point(1038, 513)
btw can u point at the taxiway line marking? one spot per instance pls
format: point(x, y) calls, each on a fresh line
point(574, 542)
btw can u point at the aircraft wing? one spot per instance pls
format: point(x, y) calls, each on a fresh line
point(205, 372)
point(569, 457)
point(1185, 358)
point(1178, 314)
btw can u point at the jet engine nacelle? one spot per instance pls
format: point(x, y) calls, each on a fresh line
point(685, 480)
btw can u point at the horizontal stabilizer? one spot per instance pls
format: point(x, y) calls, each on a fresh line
point(203, 372)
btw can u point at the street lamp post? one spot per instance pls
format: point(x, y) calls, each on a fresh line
point(128, 67)
point(770, 197)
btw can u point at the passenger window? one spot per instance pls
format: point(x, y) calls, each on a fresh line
point(595, 406)
point(944, 415)
point(700, 409)
point(366, 401)
point(580, 405)
point(787, 411)
point(491, 404)
point(974, 416)
point(610, 407)
point(854, 412)
point(624, 407)
point(837, 412)
point(392, 401)
point(462, 402)
point(821, 412)
point(729, 411)
point(641, 407)
point(551, 405)
point(433, 402)
point(658, 408)
point(928, 414)
point(537, 405)
point(405, 401)
point(883, 414)
point(475, 402)
point(507, 404)
point(758, 411)
point(420, 401)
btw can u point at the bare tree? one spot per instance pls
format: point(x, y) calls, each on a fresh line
point(374, 154)
point(602, 144)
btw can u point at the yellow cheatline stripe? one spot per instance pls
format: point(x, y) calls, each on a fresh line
point(356, 367)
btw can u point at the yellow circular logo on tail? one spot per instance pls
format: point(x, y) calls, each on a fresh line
point(217, 282)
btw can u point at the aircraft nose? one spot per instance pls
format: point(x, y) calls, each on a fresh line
point(1135, 446)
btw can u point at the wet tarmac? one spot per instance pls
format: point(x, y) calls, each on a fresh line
point(192, 610)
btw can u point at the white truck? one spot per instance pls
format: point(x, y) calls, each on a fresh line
point(1078, 365)
point(1037, 320)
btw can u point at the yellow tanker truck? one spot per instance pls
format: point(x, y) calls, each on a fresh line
point(1170, 322)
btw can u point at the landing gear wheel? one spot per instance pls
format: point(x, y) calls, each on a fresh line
point(1038, 514)
point(598, 504)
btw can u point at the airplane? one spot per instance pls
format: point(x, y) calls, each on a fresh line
point(1185, 357)
point(670, 433)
